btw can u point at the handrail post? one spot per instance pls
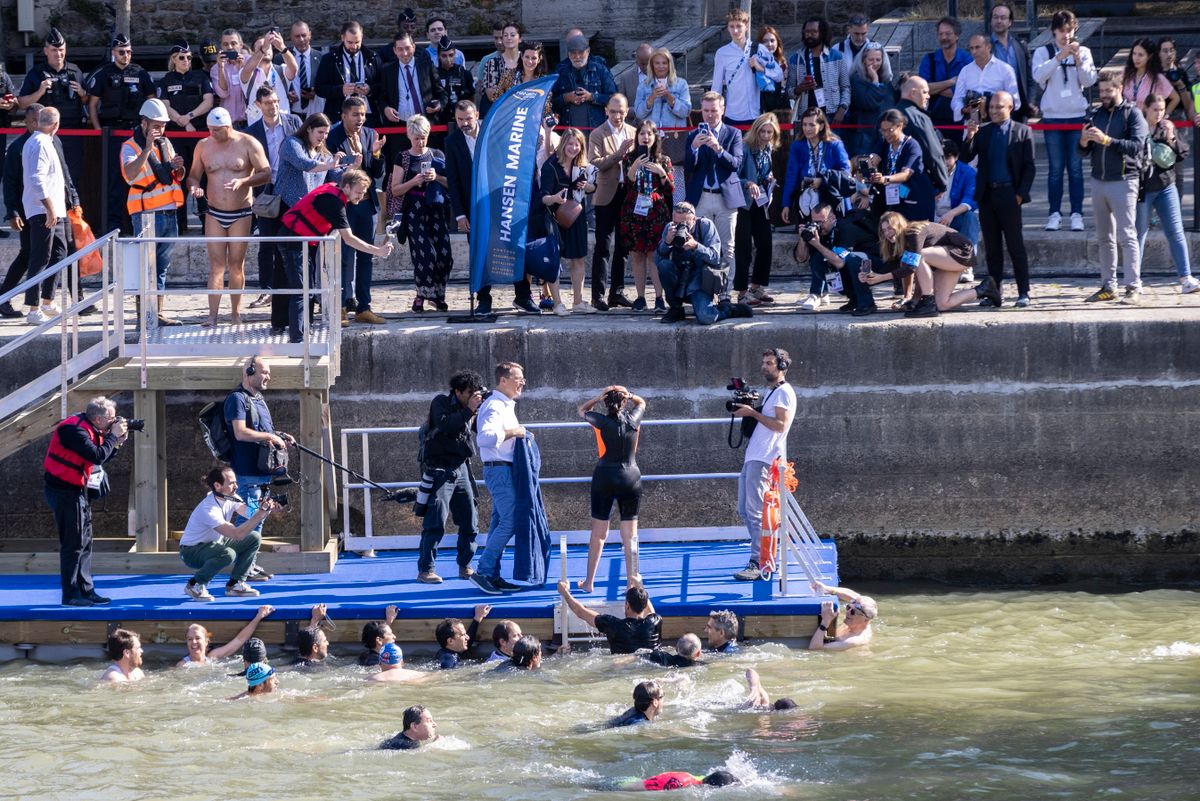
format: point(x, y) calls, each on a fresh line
point(306, 312)
point(63, 294)
point(1196, 178)
point(105, 135)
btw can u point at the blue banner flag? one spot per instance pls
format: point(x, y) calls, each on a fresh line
point(504, 163)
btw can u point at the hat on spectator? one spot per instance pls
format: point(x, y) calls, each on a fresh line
point(120, 40)
point(444, 44)
point(55, 38)
point(407, 15)
point(217, 118)
point(577, 44)
point(209, 50)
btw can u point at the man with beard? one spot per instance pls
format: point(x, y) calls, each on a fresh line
point(348, 70)
point(941, 68)
point(818, 76)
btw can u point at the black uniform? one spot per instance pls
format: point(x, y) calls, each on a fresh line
point(447, 488)
point(183, 92)
point(457, 84)
point(61, 96)
point(122, 93)
point(616, 476)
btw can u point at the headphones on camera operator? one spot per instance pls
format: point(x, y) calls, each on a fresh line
point(271, 461)
point(748, 397)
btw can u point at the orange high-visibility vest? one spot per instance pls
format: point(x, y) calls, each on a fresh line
point(146, 193)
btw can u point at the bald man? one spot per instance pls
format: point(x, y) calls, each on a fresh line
point(914, 102)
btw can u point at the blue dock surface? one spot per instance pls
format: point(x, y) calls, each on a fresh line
point(683, 579)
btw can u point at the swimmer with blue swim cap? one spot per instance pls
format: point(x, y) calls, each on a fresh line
point(391, 667)
point(260, 680)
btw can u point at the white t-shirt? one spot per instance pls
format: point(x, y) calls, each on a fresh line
point(765, 445)
point(202, 525)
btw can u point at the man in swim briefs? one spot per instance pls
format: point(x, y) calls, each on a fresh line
point(234, 163)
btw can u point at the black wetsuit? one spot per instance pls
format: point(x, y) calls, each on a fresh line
point(627, 635)
point(629, 717)
point(616, 476)
point(400, 742)
point(667, 659)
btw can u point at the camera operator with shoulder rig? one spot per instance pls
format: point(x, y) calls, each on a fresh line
point(844, 244)
point(78, 446)
point(690, 268)
point(767, 442)
point(447, 487)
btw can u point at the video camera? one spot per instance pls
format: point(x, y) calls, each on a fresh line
point(742, 395)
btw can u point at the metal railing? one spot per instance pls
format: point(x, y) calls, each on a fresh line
point(74, 363)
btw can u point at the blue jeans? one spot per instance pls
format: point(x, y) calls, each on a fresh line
point(251, 490)
point(499, 481)
point(1166, 203)
point(967, 224)
point(1063, 152)
point(856, 290)
point(164, 223)
point(817, 284)
point(706, 311)
point(356, 265)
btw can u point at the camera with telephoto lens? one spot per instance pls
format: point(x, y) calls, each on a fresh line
point(742, 395)
point(679, 236)
point(134, 424)
point(810, 231)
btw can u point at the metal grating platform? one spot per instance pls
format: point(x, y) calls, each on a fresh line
point(229, 340)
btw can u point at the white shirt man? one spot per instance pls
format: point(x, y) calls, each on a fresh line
point(767, 443)
point(985, 75)
point(496, 417)
point(45, 190)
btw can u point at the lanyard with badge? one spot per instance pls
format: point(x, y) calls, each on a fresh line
point(894, 193)
point(644, 183)
point(818, 91)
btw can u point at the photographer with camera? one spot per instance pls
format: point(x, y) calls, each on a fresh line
point(154, 172)
point(211, 542)
point(78, 446)
point(980, 79)
point(848, 245)
point(259, 451)
point(691, 270)
point(768, 441)
point(447, 486)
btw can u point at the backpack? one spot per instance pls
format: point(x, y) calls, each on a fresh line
point(425, 432)
point(217, 435)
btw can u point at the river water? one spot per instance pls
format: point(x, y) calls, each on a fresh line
point(963, 695)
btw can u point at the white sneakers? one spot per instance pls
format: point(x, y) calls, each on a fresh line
point(43, 315)
point(582, 307)
point(813, 302)
point(561, 310)
point(198, 592)
point(1188, 285)
point(1076, 222)
point(241, 588)
point(1054, 222)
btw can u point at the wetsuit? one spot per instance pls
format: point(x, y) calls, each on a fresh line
point(630, 717)
point(616, 476)
point(626, 634)
point(667, 659)
point(400, 742)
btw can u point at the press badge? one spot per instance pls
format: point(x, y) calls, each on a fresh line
point(834, 280)
point(891, 194)
point(641, 206)
point(819, 94)
point(911, 259)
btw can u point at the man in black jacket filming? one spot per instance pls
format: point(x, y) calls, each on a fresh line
point(447, 486)
point(845, 244)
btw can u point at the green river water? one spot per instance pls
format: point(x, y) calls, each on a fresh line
point(963, 695)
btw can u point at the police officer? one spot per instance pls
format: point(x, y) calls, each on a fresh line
point(457, 83)
point(189, 96)
point(57, 83)
point(116, 93)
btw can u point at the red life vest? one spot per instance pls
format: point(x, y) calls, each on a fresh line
point(67, 465)
point(303, 219)
point(672, 781)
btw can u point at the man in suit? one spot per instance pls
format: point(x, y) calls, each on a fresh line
point(460, 157)
point(607, 146)
point(1009, 50)
point(1005, 177)
point(713, 153)
point(347, 69)
point(270, 131)
point(410, 86)
point(352, 137)
point(914, 99)
point(302, 96)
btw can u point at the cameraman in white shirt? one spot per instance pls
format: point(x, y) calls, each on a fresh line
point(766, 443)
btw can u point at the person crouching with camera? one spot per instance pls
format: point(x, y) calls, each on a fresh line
point(211, 542)
point(844, 245)
point(767, 442)
point(447, 487)
point(74, 477)
point(689, 266)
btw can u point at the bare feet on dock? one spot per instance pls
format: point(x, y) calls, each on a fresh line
point(583, 587)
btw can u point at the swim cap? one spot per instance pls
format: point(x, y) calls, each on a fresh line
point(255, 650)
point(257, 673)
point(219, 117)
point(391, 654)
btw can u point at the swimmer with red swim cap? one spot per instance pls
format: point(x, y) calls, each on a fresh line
point(676, 780)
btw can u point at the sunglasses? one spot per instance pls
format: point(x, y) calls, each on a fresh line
point(184, 56)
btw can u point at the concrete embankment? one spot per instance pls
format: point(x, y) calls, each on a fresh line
point(1039, 447)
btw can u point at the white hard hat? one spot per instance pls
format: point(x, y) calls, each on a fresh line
point(155, 111)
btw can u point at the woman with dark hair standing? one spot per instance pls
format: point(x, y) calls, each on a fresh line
point(1168, 57)
point(753, 231)
point(647, 209)
point(533, 62)
point(900, 180)
point(616, 476)
point(1144, 77)
point(1160, 193)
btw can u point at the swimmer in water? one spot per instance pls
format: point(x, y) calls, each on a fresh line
point(504, 637)
point(199, 639)
point(375, 635)
point(758, 698)
point(856, 628)
point(260, 681)
point(455, 639)
point(721, 631)
point(640, 628)
point(125, 650)
point(676, 780)
point(616, 477)
point(687, 654)
point(391, 667)
point(647, 705)
point(526, 655)
point(419, 728)
point(312, 646)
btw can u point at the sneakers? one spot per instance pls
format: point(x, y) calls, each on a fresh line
point(546, 303)
point(561, 310)
point(1054, 222)
point(639, 305)
point(1076, 222)
point(599, 305)
point(6, 310)
point(660, 306)
point(925, 307)
point(241, 589)
point(618, 299)
point(505, 586)
point(810, 303)
point(987, 289)
point(759, 294)
point(484, 584)
point(369, 317)
point(38, 316)
point(740, 310)
point(751, 573)
point(1102, 294)
point(1187, 285)
point(198, 592)
point(583, 307)
point(466, 572)
point(967, 276)
point(526, 306)
point(1022, 302)
point(429, 577)
point(1132, 296)
point(483, 308)
point(258, 574)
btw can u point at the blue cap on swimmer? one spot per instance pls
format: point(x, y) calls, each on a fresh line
point(391, 654)
point(257, 673)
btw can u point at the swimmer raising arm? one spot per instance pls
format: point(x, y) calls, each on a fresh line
point(758, 696)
